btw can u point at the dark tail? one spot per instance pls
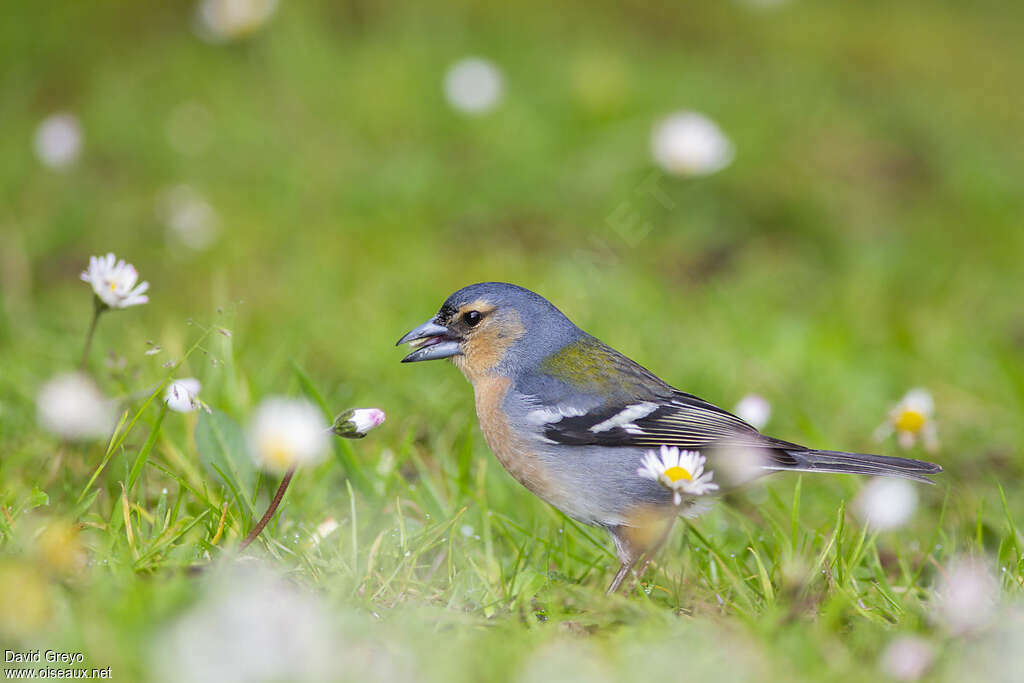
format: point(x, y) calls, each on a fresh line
point(855, 463)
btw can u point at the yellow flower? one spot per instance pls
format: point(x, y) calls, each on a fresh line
point(912, 419)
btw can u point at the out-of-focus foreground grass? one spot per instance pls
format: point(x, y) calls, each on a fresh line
point(866, 239)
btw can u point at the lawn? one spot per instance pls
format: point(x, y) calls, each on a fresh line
point(866, 239)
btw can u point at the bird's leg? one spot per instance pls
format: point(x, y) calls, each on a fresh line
point(628, 552)
point(642, 538)
point(619, 576)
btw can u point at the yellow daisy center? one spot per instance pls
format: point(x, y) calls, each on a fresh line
point(277, 454)
point(676, 473)
point(910, 421)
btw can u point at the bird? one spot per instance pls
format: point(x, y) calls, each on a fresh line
point(595, 434)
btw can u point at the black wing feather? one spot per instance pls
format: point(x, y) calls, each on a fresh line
point(683, 420)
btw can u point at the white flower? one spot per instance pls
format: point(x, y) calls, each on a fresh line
point(967, 596)
point(754, 409)
point(324, 529)
point(907, 658)
point(182, 395)
point(72, 407)
point(365, 419)
point(572, 660)
point(223, 20)
point(681, 472)
point(251, 625)
point(58, 140)
point(886, 503)
point(996, 656)
point(690, 144)
point(912, 418)
point(285, 433)
point(114, 282)
point(473, 85)
point(738, 464)
point(190, 219)
point(354, 424)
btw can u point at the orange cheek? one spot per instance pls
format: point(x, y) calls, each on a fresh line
point(487, 346)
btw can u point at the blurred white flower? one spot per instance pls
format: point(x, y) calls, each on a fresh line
point(182, 395)
point(996, 656)
point(473, 85)
point(754, 409)
point(681, 472)
point(58, 140)
point(912, 418)
point(114, 282)
point(967, 596)
point(566, 661)
point(690, 144)
point(324, 529)
point(72, 407)
point(252, 626)
point(354, 424)
point(907, 658)
point(737, 465)
point(224, 20)
point(189, 128)
point(285, 433)
point(189, 219)
point(886, 503)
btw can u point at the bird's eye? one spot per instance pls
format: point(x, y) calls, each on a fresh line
point(472, 318)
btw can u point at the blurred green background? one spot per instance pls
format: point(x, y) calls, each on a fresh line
point(867, 237)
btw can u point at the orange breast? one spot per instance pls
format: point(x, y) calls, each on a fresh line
point(509, 448)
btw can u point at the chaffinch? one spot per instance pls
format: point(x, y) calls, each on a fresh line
point(578, 423)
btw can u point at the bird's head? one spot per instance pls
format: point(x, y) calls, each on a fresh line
point(491, 328)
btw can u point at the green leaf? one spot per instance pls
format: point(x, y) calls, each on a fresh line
point(143, 455)
point(223, 452)
point(83, 506)
point(38, 498)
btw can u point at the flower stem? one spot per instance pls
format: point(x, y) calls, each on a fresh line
point(271, 509)
point(97, 308)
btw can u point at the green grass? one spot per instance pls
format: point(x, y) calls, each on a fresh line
point(865, 240)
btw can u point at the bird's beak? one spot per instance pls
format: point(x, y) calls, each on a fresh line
point(431, 341)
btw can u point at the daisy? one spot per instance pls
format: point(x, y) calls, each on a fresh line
point(190, 219)
point(354, 424)
point(754, 409)
point(908, 658)
point(911, 419)
point(220, 21)
point(967, 595)
point(58, 140)
point(285, 433)
point(182, 395)
point(114, 282)
point(72, 407)
point(690, 144)
point(886, 503)
point(681, 472)
point(473, 86)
